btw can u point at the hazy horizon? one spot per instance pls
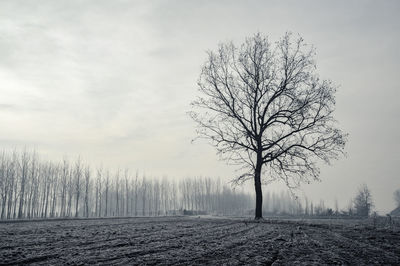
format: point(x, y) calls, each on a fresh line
point(112, 82)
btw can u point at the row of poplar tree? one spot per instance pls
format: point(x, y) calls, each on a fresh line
point(34, 188)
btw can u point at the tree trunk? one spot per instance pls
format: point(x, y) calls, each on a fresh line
point(100, 199)
point(3, 207)
point(257, 186)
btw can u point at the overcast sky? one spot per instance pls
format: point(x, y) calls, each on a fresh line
point(112, 81)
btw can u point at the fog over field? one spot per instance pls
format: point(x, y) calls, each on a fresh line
point(112, 81)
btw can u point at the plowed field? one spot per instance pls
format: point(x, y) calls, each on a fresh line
point(193, 240)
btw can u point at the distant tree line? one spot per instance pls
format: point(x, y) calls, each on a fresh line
point(33, 188)
point(281, 203)
point(284, 203)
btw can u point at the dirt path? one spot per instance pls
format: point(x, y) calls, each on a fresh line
point(181, 241)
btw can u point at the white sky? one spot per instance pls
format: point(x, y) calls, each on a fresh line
point(112, 81)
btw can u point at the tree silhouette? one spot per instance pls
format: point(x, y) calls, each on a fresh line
point(363, 201)
point(396, 196)
point(263, 107)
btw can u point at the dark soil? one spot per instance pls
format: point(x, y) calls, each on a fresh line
point(189, 240)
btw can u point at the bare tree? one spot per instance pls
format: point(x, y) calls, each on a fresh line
point(47, 175)
point(165, 196)
point(98, 192)
point(107, 188)
point(396, 196)
point(33, 186)
point(156, 197)
point(174, 197)
point(150, 197)
point(136, 193)
point(126, 176)
point(11, 176)
point(64, 175)
point(117, 194)
point(264, 107)
point(87, 191)
point(55, 184)
point(70, 191)
point(4, 183)
point(144, 192)
point(363, 201)
point(336, 206)
point(78, 175)
point(24, 165)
